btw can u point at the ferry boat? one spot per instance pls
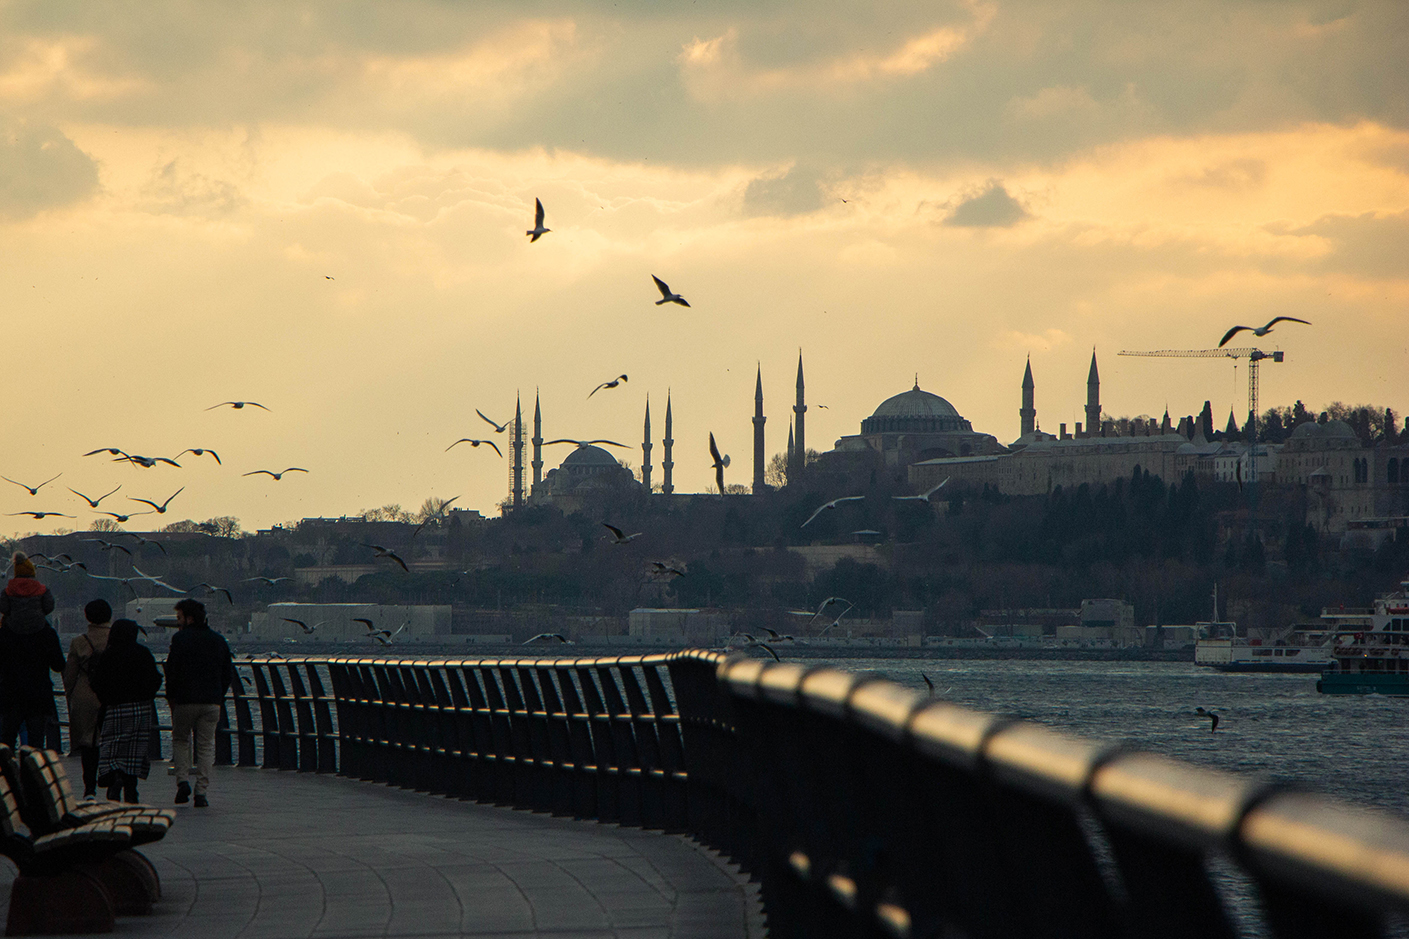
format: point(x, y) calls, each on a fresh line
point(1371, 650)
point(1289, 649)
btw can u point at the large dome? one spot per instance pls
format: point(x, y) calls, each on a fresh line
point(915, 412)
point(916, 403)
point(590, 456)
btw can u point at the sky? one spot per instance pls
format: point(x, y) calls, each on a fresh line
point(321, 207)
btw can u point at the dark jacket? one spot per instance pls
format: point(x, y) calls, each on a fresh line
point(199, 667)
point(125, 672)
point(25, 662)
point(24, 604)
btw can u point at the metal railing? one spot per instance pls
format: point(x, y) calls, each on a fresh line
point(862, 808)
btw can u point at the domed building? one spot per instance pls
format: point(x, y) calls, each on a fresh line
point(917, 425)
point(587, 472)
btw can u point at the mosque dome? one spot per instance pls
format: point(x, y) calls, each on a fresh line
point(587, 460)
point(915, 412)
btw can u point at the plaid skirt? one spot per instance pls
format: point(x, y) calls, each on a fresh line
point(125, 740)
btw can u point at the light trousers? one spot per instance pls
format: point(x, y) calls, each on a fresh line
point(194, 722)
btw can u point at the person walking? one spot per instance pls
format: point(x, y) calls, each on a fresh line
point(84, 708)
point(126, 680)
point(29, 650)
point(199, 670)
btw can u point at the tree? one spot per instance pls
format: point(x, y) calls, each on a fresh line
point(387, 513)
point(222, 526)
point(775, 474)
point(433, 507)
point(104, 524)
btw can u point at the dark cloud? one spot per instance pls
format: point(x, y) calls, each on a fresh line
point(1373, 244)
point(796, 192)
point(990, 207)
point(41, 169)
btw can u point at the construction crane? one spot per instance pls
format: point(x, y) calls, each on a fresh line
point(1254, 356)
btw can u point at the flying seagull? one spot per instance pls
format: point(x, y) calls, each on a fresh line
point(475, 443)
point(366, 622)
point(833, 504)
point(1213, 718)
point(537, 231)
point(921, 498)
point(279, 475)
point(549, 637)
point(584, 443)
point(1259, 331)
point(498, 428)
point(607, 384)
point(160, 509)
point(750, 642)
point(123, 519)
point(719, 462)
point(658, 567)
point(200, 452)
point(108, 545)
point(437, 516)
point(39, 515)
point(111, 451)
point(211, 589)
point(146, 462)
point(928, 684)
point(237, 405)
point(138, 538)
point(619, 537)
point(33, 490)
point(267, 581)
point(665, 293)
point(388, 554)
point(142, 575)
point(92, 503)
point(307, 629)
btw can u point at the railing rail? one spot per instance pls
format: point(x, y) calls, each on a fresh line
point(863, 808)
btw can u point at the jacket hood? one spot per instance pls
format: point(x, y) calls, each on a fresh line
point(24, 587)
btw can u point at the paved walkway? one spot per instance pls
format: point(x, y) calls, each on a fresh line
point(292, 855)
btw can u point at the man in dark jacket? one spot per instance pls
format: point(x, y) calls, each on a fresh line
point(199, 670)
point(29, 650)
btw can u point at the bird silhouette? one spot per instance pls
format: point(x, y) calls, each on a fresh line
point(498, 428)
point(584, 443)
point(141, 542)
point(388, 554)
point(720, 462)
point(475, 443)
point(92, 503)
point(437, 516)
point(142, 575)
point(32, 490)
point(146, 462)
point(160, 509)
point(237, 405)
point(40, 515)
point(212, 590)
point(108, 545)
point(928, 684)
point(618, 537)
point(1259, 331)
point(607, 384)
point(923, 497)
point(267, 581)
point(279, 475)
point(659, 567)
point(1213, 718)
point(200, 452)
point(118, 517)
point(831, 505)
point(111, 451)
point(537, 231)
point(549, 637)
point(307, 629)
point(665, 293)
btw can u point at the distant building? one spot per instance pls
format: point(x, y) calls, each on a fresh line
point(586, 474)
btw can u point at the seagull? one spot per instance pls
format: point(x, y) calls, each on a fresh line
point(138, 538)
point(1213, 718)
point(125, 581)
point(383, 637)
point(719, 463)
point(92, 503)
point(777, 636)
point(618, 537)
point(608, 384)
point(371, 627)
point(123, 519)
point(199, 452)
point(831, 505)
point(1259, 331)
point(437, 515)
point(210, 589)
point(387, 553)
point(753, 642)
point(307, 629)
point(537, 231)
point(107, 545)
point(160, 509)
point(658, 567)
point(826, 603)
point(40, 515)
point(111, 451)
point(475, 443)
point(279, 475)
point(554, 637)
point(268, 581)
point(141, 575)
point(498, 428)
point(584, 443)
point(921, 498)
point(666, 295)
point(236, 405)
point(146, 462)
point(928, 684)
point(33, 490)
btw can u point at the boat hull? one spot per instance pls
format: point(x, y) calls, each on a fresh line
point(1300, 668)
point(1364, 683)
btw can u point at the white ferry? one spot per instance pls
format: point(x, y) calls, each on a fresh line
point(1289, 649)
point(1371, 651)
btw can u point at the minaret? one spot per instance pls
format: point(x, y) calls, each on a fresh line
point(788, 460)
point(666, 465)
point(646, 450)
point(1028, 413)
point(1093, 400)
point(1164, 427)
point(537, 442)
point(759, 487)
point(800, 440)
point(518, 454)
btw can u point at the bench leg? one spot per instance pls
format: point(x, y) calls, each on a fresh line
point(71, 902)
point(130, 881)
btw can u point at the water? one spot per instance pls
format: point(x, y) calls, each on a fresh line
point(1353, 747)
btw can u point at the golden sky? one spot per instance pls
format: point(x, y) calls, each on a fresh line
point(321, 207)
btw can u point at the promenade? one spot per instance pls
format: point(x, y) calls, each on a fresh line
point(283, 854)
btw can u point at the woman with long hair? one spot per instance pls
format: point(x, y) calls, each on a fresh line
point(126, 680)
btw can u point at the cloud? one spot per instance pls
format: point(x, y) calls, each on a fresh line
point(1373, 244)
point(990, 207)
point(795, 192)
point(41, 169)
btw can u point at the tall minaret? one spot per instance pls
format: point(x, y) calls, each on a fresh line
point(788, 460)
point(800, 444)
point(759, 487)
point(1093, 400)
point(537, 442)
point(1028, 413)
point(518, 454)
point(646, 450)
point(667, 486)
